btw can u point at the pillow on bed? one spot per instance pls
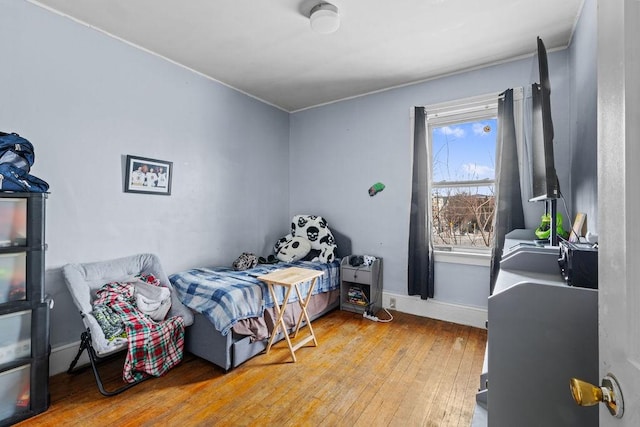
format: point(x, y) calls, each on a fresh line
point(315, 229)
point(295, 249)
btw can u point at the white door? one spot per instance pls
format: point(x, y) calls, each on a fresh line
point(619, 202)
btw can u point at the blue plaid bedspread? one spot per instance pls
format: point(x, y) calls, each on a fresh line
point(226, 296)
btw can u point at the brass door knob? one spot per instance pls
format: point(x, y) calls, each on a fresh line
point(587, 394)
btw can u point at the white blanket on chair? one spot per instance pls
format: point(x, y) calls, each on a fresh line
point(154, 301)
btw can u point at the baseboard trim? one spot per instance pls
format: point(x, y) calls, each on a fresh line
point(455, 313)
point(62, 356)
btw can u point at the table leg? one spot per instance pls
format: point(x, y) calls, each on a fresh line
point(303, 305)
point(276, 325)
point(280, 323)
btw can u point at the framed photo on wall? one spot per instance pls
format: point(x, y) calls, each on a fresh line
point(149, 176)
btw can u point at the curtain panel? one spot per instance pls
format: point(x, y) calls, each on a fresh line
point(509, 210)
point(420, 265)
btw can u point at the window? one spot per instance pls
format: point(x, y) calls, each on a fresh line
point(462, 145)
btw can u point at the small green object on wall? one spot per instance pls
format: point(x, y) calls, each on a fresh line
point(376, 188)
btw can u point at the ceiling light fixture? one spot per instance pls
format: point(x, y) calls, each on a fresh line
point(324, 18)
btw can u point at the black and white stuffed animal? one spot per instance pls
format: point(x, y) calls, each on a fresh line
point(245, 261)
point(313, 229)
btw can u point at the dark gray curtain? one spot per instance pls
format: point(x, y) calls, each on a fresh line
point(420, 278)
point(509, 211)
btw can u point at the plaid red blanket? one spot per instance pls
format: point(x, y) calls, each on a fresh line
point(154, 347)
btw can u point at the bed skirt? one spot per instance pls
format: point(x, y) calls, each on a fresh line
point(249, 337)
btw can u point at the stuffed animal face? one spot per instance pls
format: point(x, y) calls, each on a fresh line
point(295, 249)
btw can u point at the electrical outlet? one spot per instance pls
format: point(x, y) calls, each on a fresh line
point(392, 303)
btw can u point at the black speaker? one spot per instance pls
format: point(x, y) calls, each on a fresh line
point(579, 264)
point(356, 260)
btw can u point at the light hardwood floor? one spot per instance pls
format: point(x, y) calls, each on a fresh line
point(413, 371)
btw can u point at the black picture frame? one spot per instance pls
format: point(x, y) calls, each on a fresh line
point(147, 176)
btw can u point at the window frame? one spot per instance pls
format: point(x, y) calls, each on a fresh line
point(449, 113)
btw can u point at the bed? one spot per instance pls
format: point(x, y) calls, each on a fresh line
point(233, 310)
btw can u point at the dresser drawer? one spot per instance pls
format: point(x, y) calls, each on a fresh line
point(15, 336)
point(13, 277)
point(15, 390)
point(356, 275)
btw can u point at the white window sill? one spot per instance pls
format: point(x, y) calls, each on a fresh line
point(482, 259)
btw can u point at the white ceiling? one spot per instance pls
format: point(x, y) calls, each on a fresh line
point(267, 49)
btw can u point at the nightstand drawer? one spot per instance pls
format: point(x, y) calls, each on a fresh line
point(356, 275)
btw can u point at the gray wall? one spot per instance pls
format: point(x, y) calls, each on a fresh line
point(85, 100)
point(584, 129)
point(368, 139)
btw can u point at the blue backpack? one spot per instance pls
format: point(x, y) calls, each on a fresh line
point(16, 158)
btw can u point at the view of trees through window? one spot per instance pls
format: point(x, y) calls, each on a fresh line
point(463, 183)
